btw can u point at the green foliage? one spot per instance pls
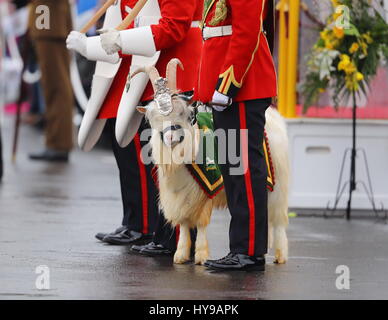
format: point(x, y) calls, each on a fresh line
point(346, 59)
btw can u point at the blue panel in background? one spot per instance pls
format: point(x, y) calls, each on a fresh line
point(85, 5)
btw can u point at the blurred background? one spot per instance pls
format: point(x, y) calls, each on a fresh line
point(49, 212)
point(318, 138)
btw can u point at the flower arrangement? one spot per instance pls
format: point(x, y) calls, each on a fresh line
point(349, 50)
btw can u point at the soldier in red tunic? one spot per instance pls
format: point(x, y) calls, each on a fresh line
point(170, 27)
point(237, 77)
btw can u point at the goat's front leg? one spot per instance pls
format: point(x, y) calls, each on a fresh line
point(201, 246)
point(182, 253)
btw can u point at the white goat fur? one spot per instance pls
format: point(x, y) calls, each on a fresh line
point(184, 202)
point(181, 199)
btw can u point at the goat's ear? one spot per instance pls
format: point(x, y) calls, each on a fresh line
point(141, 109)
point(189, 99)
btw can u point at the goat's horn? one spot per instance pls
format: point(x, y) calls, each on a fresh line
point(135, 73)
point(171, 74)
point(152, 72)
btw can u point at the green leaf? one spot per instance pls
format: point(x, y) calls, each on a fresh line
point(352, 31)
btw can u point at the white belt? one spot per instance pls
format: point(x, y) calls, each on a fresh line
point(212, 32)
point(145, 21)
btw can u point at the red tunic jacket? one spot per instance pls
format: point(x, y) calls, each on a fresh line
point(175, 38)
point(239, 65)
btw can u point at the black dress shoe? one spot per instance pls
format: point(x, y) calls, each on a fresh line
point(101, 235)
point(50, 155)
point(126, 237)
point(237, 262)
point(152, 249)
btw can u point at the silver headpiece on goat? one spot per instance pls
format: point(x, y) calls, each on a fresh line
point(164, 88)
point(163, 96)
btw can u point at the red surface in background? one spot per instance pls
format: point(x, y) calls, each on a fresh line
point(344, 112)
point(375, 106)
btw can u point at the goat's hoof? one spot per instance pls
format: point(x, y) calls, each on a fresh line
point(201, 257)
point(280, 261)
point(181, 257)
point(279, 257)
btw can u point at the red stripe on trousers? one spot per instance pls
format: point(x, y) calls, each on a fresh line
point(143, 183)
point(247, 177)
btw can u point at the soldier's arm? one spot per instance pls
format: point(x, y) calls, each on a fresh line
point(175, 22)
point(89, 47)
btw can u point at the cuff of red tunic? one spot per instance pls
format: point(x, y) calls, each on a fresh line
point(227, 83)
point(229, 90)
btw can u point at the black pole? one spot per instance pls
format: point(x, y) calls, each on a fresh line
point(26, 47)
point(352, 185)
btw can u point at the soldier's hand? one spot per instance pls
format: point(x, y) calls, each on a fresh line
point(110, 41)
point(77, 41)
point(220, 102)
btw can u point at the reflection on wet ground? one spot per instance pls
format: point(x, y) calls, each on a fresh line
point(49, 214)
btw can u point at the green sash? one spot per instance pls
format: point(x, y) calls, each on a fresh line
point(205, 170)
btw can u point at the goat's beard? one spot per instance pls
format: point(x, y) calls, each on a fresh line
point(171, 158)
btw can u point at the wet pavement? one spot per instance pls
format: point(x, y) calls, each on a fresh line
point(49, 214)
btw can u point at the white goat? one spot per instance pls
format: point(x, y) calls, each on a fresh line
point(175, 141)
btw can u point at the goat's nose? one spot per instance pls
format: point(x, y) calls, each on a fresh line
point(168, 138)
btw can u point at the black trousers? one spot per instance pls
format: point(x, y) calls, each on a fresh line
point(165, 234)
point(246, 187)
point(139, 192)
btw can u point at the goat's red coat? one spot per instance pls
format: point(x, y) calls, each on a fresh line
point(175, 38)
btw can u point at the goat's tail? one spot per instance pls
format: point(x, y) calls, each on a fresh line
point(278, 199)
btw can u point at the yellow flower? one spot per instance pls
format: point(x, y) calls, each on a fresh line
point(337, 15)
point(332, 38)
point(351, 83)
point(336, 3)
point(347, 65)
point(322, 90)
point(334, 17)
point(344, 62)
point(352, 86)
point(325, 34)
point(341, 66)
point(364, 48)
point(339, 32)
point(367, 37)
point(352, 80)
point(350, 68)
point(359, 76)
point(354, 48)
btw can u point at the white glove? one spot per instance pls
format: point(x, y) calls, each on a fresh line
point(77, 41)
point(110, 40)
point(221, 99)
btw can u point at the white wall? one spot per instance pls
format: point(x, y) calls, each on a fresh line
point(317, 147)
